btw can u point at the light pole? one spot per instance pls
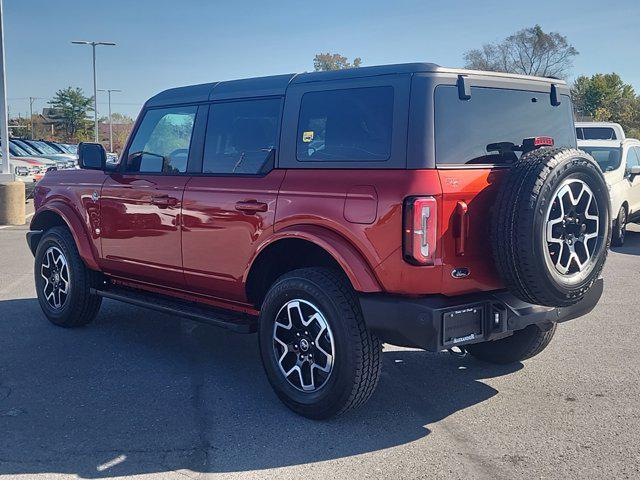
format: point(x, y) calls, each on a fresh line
point(4, 120)
point(95, 83)
point(109, 90)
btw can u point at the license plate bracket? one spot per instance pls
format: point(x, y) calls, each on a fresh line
point(463, 325)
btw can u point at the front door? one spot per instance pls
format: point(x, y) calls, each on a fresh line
point(229, 208)
point(141, 203)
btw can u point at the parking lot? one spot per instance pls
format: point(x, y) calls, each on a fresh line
point(141, 393)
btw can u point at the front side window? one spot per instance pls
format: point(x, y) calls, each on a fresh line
point(490, 126)
point(161, 143)
point(633, 157)
point(346, 125)
point(241, 136)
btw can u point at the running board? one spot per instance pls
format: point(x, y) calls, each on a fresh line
point(237, 322)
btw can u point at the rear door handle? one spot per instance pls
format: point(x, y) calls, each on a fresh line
point(164, 201)
point(251, 206)
point(462, 216)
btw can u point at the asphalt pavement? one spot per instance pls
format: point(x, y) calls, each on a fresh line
point(146, 394)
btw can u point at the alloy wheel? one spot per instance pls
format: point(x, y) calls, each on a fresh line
point(572, 228)
point(55, 272)
point(303, 345)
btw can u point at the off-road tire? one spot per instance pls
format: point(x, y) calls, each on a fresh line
point(81, 307)
point(358, 359)
point(619, 228)
point(518, 223)
point(523, 344)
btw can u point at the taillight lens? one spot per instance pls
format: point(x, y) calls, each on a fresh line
point(420, 230)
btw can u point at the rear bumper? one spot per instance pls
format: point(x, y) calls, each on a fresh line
point(436, 323)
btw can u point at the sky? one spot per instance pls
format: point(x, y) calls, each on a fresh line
point(163, 44)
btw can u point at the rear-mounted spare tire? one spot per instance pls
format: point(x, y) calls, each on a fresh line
point(550, 230)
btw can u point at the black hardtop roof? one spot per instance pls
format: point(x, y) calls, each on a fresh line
point(277, 84)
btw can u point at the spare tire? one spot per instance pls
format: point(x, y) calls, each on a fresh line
point(551, 227)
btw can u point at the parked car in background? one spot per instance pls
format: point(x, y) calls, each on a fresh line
point(41, 149)
point(71, 148)
point(41, 164)
point(620, 162)
point(599, 131)
point(60, 148)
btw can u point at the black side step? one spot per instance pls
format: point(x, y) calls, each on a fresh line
point(238, 322)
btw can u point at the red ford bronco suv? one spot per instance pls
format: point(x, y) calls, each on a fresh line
point(410, 204)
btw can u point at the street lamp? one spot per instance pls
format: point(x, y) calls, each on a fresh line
point(109, 90)
point(95, 84)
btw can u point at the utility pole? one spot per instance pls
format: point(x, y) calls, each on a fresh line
point(31, 100)
point(95, 82)
point(109, 90)
point(4, 120)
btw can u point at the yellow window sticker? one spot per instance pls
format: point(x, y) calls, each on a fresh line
point(307, 136)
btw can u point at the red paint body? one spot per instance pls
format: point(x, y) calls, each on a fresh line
point(197, 236)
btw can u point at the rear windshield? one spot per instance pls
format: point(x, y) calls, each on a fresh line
point(467, 131)
point(607, 157)
point(596, 133)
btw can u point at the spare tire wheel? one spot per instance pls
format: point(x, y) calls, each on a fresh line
point(550, 232)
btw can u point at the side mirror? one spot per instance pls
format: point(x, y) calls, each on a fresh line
point(634, 170)
point(92, 156)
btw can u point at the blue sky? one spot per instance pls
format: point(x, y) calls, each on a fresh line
point(162, 44)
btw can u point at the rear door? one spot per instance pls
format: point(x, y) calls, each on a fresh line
point(229, 206)
point(141, 203)
point(471, 168)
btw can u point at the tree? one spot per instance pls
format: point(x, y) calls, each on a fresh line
point(323, 62)
point(69, 114)
point(529, 51)
point(605, 97)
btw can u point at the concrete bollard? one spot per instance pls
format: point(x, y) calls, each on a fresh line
point(12, 201)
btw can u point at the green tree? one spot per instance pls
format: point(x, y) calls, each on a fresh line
point(70, 109)
point(323, 62)
point(529, 51)
point(605, 97)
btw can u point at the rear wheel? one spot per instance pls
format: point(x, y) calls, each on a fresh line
point(619, 228)
point(63, 282)
point(316, 350)
point(523, 344)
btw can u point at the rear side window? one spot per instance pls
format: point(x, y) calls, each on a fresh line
point(483, 129)
point(161, 143)
point(241, 136)
point(346, 125)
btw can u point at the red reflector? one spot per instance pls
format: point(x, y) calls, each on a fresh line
point(543, 142)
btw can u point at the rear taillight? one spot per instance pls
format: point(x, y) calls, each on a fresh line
point(419, 230)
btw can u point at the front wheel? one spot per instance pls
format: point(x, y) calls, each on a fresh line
point(63, 282)
point(316, 350)
point(619, 228)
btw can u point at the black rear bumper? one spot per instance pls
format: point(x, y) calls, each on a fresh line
point(437, 322)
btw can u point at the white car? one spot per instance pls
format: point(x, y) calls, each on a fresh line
point(599, 131)
point(620, 162)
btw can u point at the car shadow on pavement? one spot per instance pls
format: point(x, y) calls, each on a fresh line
point(139, 392)
point(631, 244)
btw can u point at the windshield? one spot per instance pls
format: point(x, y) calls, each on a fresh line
point(607, 157)
point(30, 150)
point(43, 147)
